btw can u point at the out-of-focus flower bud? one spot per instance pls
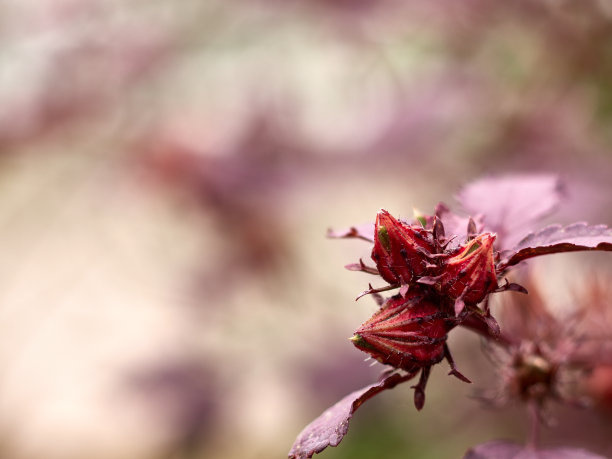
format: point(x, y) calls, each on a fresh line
point(533, 377)
point(599, 386)
point(405, 333)
point(401, 251)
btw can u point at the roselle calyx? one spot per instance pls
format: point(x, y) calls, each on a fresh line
point(468, 275)
point(401, 251)
point(406, 333)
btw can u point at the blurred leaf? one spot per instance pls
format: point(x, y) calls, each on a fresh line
point(507, 450)
point(331, 426)
point(556, 239)
point(510, 204)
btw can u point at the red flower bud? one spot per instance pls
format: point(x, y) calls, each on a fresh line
point(405, 333)
point(470, 273)
point(400, 250)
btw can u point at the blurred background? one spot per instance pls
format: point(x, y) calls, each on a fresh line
point(168, 171)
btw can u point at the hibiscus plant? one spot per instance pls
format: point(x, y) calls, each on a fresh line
point(440, 271)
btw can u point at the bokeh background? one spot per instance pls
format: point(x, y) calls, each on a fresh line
point(169, 169)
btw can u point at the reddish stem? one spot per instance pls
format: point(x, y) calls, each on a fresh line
point(534, 430)
point(472, 323)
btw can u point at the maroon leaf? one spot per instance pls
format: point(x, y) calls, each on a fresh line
point(331, 426)
point(364, 231)
point(512, 203)
point(508, 450)
point(556, 239)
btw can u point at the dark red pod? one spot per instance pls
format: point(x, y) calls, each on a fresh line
point(401, 251)
point(469, 274)
point(405, 333)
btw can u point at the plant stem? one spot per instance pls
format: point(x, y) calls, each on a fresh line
point(534, 430)
point(477, 326)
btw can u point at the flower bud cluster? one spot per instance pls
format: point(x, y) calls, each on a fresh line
point(408, 254)
point(440, 285)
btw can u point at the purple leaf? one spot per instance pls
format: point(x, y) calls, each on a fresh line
point(512, 203)
point(508, 450)
point(364, 231)
point(331, 426)
point(556, 239)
